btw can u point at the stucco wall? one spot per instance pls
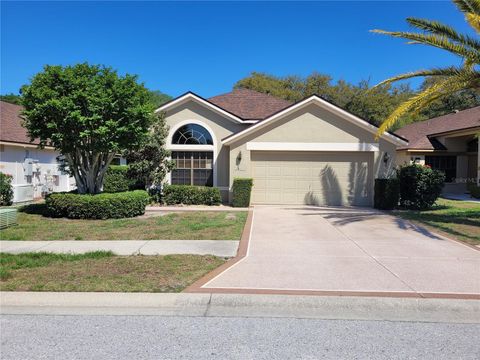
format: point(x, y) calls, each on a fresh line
point(311, 124)
point(45, 170)
point(219, 125)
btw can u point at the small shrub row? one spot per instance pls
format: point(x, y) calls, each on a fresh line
point(117, 180)
point(387, 193)
point(6, 189)
point(241, 192)
point(100, 206)
point(191, 195)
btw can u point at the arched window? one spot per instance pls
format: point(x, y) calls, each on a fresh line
point(192, 134)
point(192, 167)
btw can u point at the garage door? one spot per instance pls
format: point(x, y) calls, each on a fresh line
point(313, 178)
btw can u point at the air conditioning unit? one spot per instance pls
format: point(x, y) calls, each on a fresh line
point(22, 193)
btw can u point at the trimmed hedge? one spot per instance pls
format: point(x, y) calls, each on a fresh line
point(387, 194)
point(241, 192)
point(420, 186)
point(474, 190)
point(6, 189)
point(191, 195)
point(117, 179)
point(100, 206)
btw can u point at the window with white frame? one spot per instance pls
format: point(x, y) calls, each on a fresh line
point(192, 167)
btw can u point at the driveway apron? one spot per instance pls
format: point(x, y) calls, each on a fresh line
point(301, 248)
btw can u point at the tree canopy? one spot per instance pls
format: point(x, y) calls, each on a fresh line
point(12, 98)
point(373, 104)
point(89, 113)
point(158, 98)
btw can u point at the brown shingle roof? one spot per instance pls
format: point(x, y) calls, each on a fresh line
point(420, 135)
point(249, 104)
point(11, 128)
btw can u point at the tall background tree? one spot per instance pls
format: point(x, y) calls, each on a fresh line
point(158, 98)
point(448, 81)
point(11, 98)
point(89, 114)
point(150, 163)
point(373, 106)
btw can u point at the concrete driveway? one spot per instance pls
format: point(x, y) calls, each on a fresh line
point(348, 250)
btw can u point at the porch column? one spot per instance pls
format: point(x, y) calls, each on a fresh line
point(478, 163)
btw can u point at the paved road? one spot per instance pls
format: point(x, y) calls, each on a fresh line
point(306, 248)
point(156, 337)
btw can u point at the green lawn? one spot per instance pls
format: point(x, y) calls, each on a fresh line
point(455, 219)
point(201, 225)
point(102, 271)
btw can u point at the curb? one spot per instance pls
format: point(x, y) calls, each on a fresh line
point(236, 305)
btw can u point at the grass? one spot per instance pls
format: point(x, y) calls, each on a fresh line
point(201, 225)
point(102, 271)
point(455, 219)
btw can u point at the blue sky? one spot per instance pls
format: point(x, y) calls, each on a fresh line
point(207, 46)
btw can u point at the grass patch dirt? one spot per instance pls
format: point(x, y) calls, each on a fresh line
point(201, 225)
point(455, 219)
point(103, 271)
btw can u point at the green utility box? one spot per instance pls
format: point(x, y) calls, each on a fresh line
point(8, 217)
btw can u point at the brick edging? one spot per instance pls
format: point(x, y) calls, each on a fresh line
point(196, 287)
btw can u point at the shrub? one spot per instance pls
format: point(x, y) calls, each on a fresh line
point(100, 206)
point(420, 186)
point(474, 190)
point(191, 195)
point(387, 193)
point(6, 189)
point(241, 189)
point(117, 180)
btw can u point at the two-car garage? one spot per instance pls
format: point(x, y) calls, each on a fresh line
point(314, 178)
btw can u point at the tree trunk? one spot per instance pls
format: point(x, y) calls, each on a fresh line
point(89, 170)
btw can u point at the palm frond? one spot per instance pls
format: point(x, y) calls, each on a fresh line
point(440, 42)
point(463, 80)
point(474, 21)
point(450, 71)
point(468, 6)
point(440, 29)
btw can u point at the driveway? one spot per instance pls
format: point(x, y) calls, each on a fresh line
point(348, 250)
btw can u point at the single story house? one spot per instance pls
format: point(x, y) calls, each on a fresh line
point(309, 152)
point(448, 143)
point(35, 171)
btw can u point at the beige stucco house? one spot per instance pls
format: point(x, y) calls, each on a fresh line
point(309, 152)
point(448, 143)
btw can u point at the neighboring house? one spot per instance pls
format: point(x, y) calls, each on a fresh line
point(35, 171)
point(448, 143)
point(309, 152)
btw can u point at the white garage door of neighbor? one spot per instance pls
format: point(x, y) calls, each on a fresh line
point(313, 178)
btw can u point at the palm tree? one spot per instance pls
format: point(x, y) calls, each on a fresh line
point(450, 79)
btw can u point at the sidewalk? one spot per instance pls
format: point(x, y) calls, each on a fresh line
point(241, 305)
point(223, 248)
point(193, 208)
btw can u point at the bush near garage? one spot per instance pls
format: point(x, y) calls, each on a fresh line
point(387, 193)
point(420, 186)
point(474, 190)
point(241, 192)
point(117, 180)
point(191, 195)
point(99, 206)
point(6, 189)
